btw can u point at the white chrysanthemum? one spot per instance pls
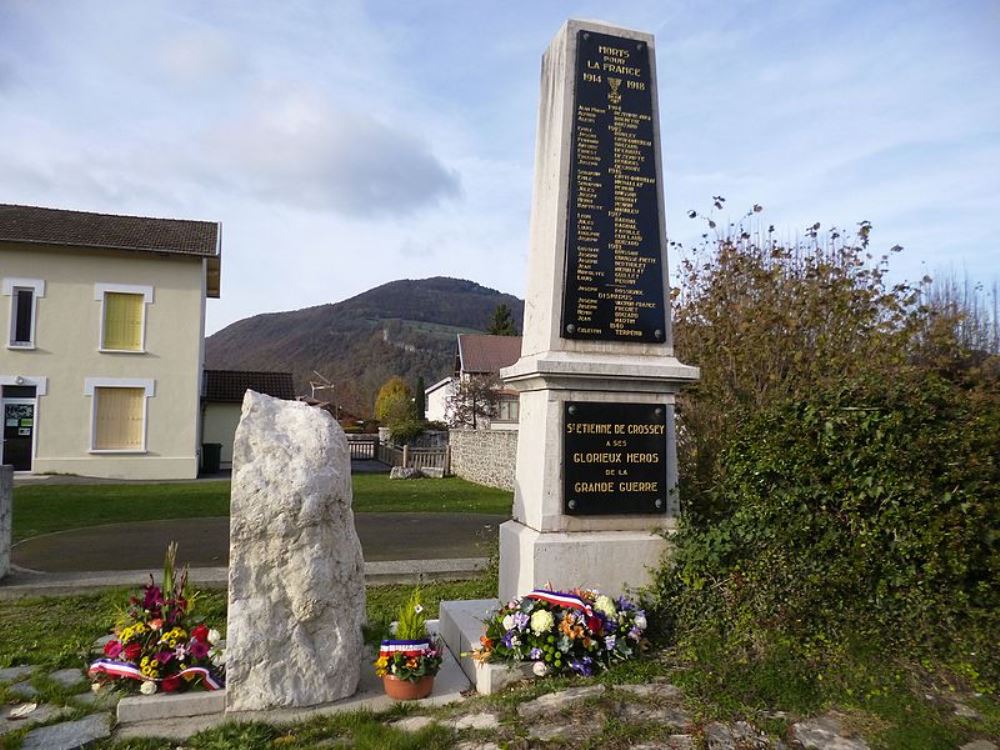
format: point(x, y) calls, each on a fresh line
point(539, 668)
point(95, 686)
point(214, 636)
point(542, 621)
point(640, 621)
point(606, 605)
point(508, 622)
point(148, 687)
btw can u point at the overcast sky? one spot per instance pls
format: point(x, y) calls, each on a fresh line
point(346, 144)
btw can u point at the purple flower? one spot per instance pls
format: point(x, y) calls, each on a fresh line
point(164, 656)
point(536, 653)
point(624, 604)
point(198, 649)
point(609, 642)
point(582, 666)
point(635, 634)
point(521, 620)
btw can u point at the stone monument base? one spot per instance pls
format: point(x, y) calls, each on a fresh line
point(609, 561)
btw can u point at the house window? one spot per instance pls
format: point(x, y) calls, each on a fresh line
point(119, 414)
point(508, 410)
point(123, 316)
point(24, 294)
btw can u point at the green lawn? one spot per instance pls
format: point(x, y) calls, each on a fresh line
point(42, 509)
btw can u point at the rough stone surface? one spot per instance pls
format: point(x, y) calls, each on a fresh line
point(399, 472)
point(571, 732)
point(44, 712)
point(825, 733)
point(412, 723)
point(474, 721)
point(68, 678)
point(552, 702)
point(23, 690)
point(474, 745)
point(6, 516)
point(658, 690)
point(978, 745)
point(737, 736)
point(14, 674)
point(296, 574)
point(106, 698)
point(671, 716)
point(484, 456)
point(69, 735)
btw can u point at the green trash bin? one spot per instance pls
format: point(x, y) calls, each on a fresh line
point(211, 458)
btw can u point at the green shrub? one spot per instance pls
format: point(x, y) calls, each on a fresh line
point(863, 514)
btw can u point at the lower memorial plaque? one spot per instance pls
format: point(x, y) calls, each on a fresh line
point(614, 458)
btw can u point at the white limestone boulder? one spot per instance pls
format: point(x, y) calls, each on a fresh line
point(296, 573)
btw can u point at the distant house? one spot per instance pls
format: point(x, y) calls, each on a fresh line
point(222, 399)
point(101, 366)
point(479, 354)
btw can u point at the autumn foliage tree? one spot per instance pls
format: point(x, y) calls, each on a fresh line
point(394, 403)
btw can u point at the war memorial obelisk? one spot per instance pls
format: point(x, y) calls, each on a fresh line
point(596, 457)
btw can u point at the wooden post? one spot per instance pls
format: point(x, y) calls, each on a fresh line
point(447, 460)
point(406, 456)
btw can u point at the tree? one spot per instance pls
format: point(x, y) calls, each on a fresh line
point(394, 403)
point(502, 323)
point(473, 398)
point(421, 402)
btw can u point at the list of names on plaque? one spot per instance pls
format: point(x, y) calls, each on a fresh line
point(614, 281)
point(614, 458)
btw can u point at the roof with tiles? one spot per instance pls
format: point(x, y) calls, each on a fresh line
point(229, 386)
point(483, 353)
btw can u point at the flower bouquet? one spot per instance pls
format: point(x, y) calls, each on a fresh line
point(407, 663)
point(579, 632)
point(157, 645)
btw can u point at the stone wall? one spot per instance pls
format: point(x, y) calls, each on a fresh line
point(6, 516)
point(484, 456)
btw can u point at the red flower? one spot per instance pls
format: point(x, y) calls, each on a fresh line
point(595, 625)
point(131, 651)
point(200, 632)
point(112, 649)
point(170, 684)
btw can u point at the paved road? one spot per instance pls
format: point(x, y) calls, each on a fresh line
point(205, 541)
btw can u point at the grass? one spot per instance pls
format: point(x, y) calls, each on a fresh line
point(43, 509)
point(882, 699)
point(57, 632)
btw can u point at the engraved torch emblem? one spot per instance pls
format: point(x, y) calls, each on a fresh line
point(614, 96)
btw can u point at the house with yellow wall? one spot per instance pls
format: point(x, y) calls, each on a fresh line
point(103, 341)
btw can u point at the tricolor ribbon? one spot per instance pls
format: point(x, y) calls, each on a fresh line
point(409, 648)
point(115, 668)
point(560, 599)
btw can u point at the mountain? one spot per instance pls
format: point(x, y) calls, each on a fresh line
point(404, 328)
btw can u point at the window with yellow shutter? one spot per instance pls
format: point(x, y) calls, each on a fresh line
point(119, 419)
point(123, 316)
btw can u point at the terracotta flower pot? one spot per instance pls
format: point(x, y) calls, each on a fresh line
point(407, 690)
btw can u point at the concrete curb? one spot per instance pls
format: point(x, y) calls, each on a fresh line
point(21, 583)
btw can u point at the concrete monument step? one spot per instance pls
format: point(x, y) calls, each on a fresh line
point(462, 624)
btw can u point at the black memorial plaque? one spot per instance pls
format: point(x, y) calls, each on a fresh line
point(614, 458)
point(614, 288)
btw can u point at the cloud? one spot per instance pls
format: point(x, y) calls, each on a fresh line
point(198, 58)
point(300, 150)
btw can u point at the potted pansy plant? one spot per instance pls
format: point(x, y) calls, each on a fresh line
point(409, 660)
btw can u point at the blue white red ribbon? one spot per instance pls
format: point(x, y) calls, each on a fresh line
point(410, 648)
point(560, 599)
point(115, 668)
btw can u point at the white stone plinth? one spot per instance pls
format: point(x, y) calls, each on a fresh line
point(609, 561)
point(462, 624)
point(6, 516)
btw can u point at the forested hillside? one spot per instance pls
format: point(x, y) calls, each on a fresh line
point(405, 328)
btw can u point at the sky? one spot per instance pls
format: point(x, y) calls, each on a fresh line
point(343, 145)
